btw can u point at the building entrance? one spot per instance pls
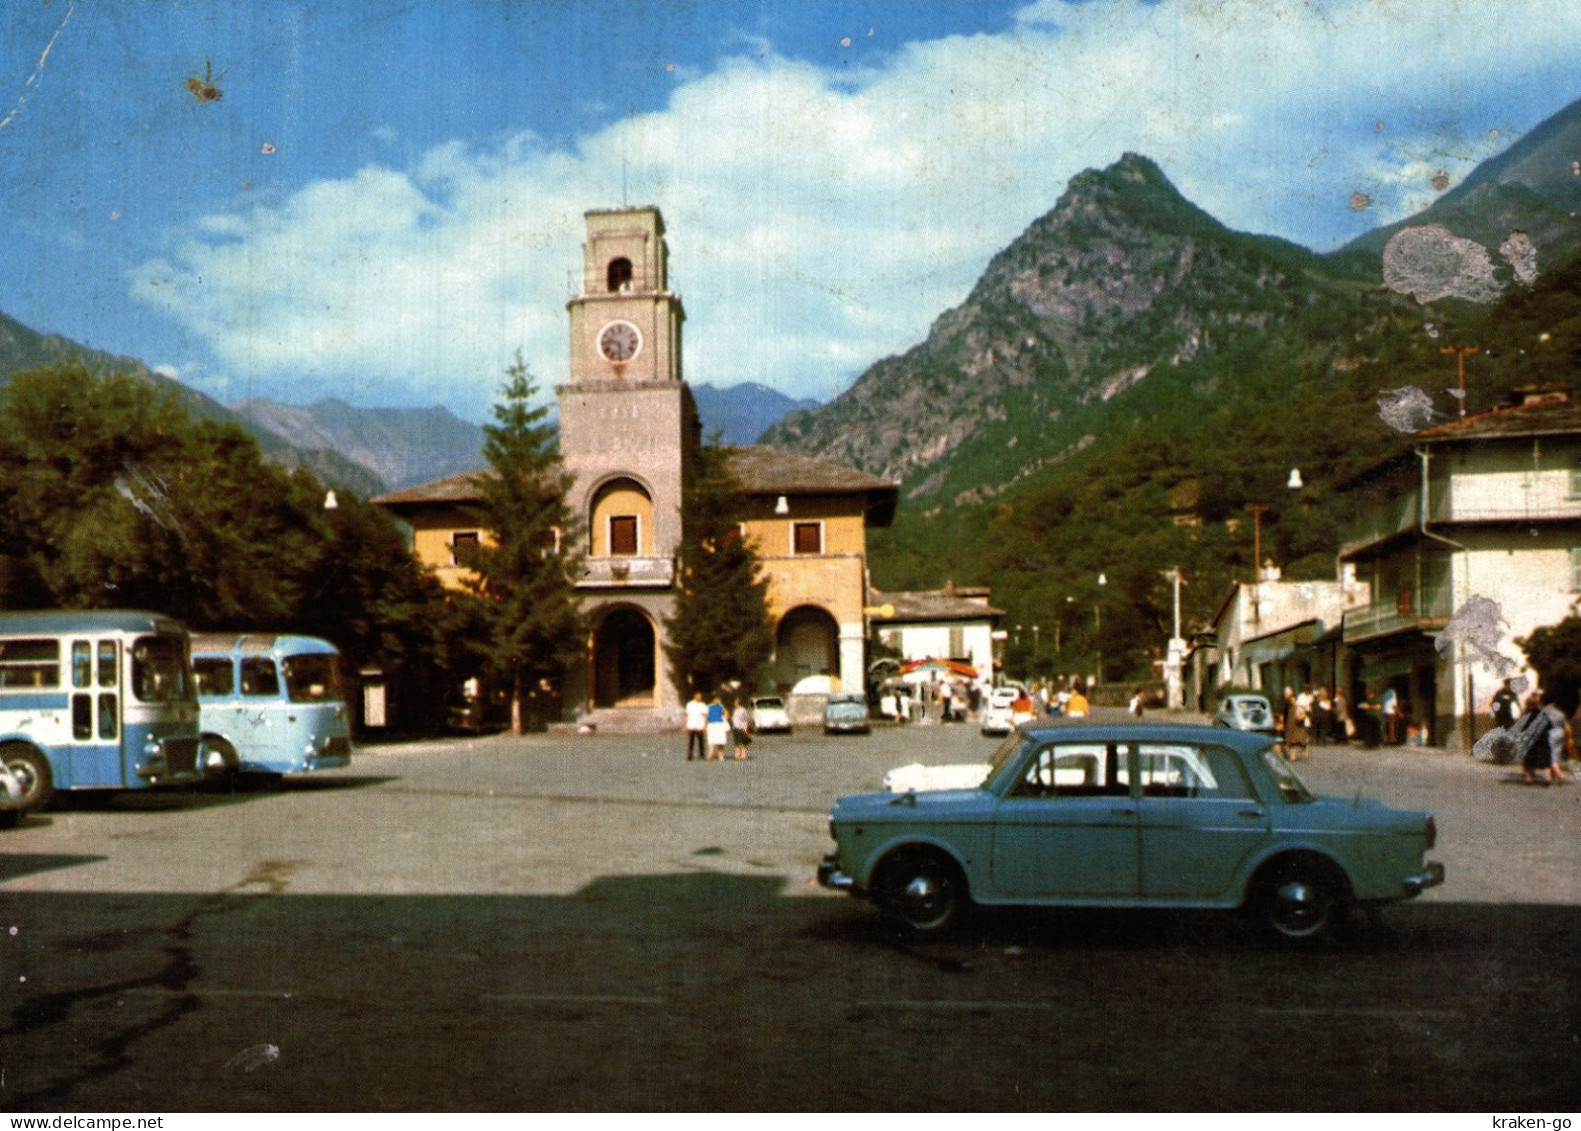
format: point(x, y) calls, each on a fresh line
point(623, 660)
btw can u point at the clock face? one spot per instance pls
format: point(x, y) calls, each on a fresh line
point(619, 342)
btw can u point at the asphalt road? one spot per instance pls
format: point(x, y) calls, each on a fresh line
point(595, 923)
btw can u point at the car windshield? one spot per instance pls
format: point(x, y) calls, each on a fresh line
point(768, 704)
point(1291, 787)
point(1004, 752)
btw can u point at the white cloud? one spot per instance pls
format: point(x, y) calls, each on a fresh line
point(822, 218)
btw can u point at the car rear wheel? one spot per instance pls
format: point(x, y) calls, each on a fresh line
point(924, 889)
point(1301, 901)
point(31, 770)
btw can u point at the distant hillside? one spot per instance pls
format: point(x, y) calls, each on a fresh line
point(1534, 187)
point(1122, 281)
point(1129, 381)
point(23, 349)
point(402, 446)
point(743, 412)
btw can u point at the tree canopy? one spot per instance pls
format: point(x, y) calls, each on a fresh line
point(113, 495)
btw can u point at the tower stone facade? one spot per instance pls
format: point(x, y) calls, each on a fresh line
point(628, 435)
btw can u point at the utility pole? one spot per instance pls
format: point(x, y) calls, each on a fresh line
point(1256, 510)
point(1461, 353)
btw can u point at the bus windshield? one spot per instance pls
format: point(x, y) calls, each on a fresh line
point(313, 677)
point(159, 670)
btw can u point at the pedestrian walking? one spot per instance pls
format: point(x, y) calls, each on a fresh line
point(1298, 738)
point(1136, 704)
point(696, 726)
point(718, 730)
point(1344, 725)
point(740, 729)
point(1076, 705)
point(1505, 705)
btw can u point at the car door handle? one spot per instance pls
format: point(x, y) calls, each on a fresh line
point(1254, 814)
point(1123, 812)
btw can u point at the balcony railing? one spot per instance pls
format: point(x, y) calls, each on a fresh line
point(1404, 609)
point(626, 572)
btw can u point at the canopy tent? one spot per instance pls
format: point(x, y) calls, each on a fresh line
point(918, 670)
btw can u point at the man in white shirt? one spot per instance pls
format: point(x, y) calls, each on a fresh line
point(696, 725)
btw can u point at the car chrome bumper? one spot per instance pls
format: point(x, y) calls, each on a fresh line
point(1429, 877)
point(830, 876)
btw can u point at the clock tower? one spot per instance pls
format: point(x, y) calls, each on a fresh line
point(628, 436)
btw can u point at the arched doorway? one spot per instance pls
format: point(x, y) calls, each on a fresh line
point(807, 643)
point(624, 647)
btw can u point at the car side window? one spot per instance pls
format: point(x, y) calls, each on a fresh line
point(1074, 770)
point(1185, 770)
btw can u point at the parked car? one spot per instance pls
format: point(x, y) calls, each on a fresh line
point(1246, 712)
point(1130, 816)
point(996, 714)
point(845, 713)
point(769, 715)
point(13, 798)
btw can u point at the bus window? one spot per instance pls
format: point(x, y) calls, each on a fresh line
point(81, 664)
point(82, 715)
point(30, 663)
point(109, 717)
point(312, 678)
point(107, 658)
point(158, 673)
point(259, 678)
point(216, 677)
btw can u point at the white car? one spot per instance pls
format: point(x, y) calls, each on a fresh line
point(997, 717)
point(770, 716)
point(917, 778)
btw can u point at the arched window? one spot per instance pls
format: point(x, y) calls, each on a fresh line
point(622, 520)
point(619, 276)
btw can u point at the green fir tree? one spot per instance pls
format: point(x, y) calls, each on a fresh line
point(719, 633)
point(526, 565)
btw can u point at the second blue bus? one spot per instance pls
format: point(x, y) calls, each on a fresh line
point(271, 703)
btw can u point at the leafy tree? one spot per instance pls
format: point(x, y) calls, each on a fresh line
point(111, 494)
point(526, 568)
point(1555, 652)
point(719, 632)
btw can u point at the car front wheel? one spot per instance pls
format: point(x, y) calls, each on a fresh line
point(922, 888)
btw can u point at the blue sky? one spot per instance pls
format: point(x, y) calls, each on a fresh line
point(386, 203)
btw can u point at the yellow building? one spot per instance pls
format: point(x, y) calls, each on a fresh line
point(629, 437)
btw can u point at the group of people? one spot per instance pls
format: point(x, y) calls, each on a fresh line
point(1539, 735)
point(711, 726)
point(945, 701)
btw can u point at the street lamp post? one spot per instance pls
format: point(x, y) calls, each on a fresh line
point(1097, 626)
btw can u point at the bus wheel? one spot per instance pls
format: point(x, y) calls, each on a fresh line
point(217, 759)
point(31, 770)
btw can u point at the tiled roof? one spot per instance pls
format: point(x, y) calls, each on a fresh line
point(769, 471)
point(456, 489)
point(760, 471)
point(926, 606)
point(1540, 417)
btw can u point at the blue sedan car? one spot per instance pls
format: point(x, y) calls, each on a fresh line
point(1130, 816)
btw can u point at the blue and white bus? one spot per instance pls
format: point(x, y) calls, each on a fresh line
point(99, 699)
point(271, 703)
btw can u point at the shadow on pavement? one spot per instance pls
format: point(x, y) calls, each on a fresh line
point(711, 991)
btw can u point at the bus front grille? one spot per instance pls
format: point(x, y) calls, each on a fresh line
point(181, 755)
